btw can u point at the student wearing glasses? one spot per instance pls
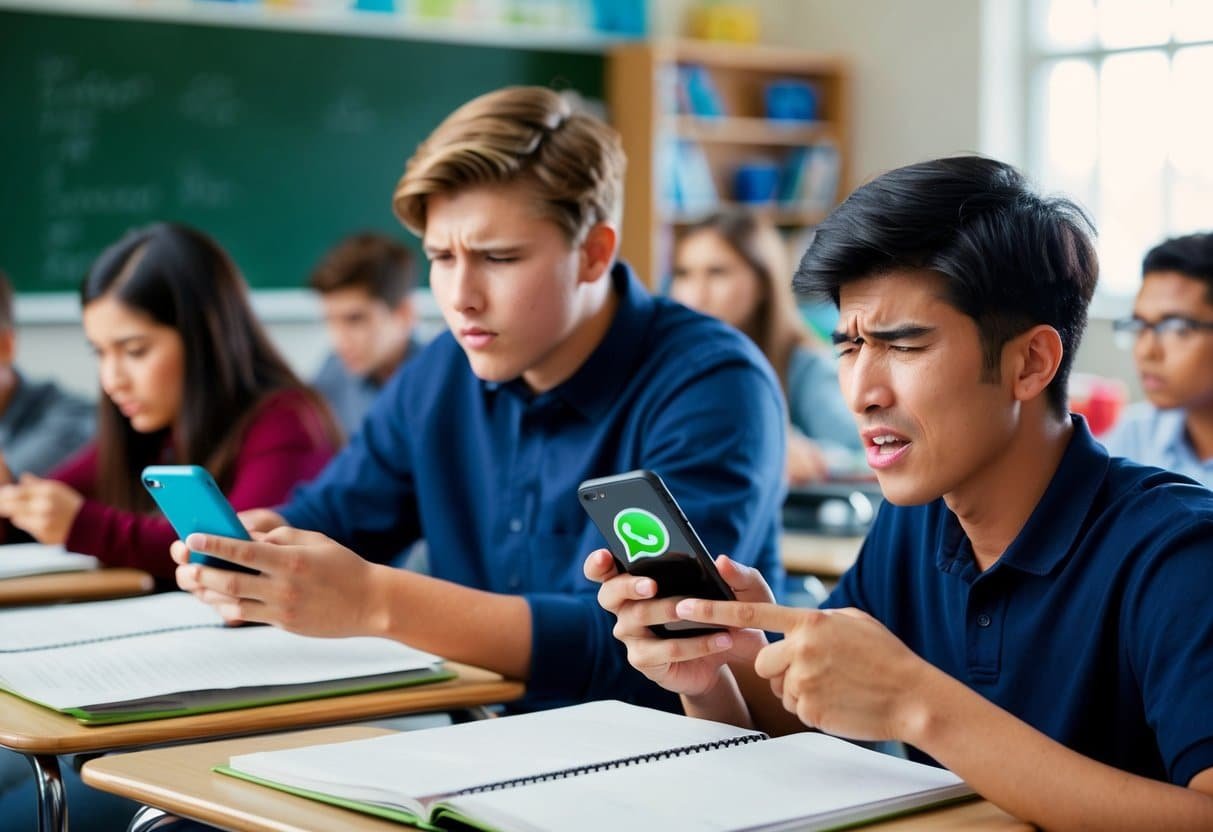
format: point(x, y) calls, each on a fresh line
point(1171, 335)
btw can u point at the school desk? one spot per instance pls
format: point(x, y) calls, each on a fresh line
point(41, 733)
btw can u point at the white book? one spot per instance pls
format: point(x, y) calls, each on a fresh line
point(170, 655)
point(18, 560)
point(604, 766)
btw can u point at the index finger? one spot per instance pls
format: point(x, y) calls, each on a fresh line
point(264, 557)
point(739, 614)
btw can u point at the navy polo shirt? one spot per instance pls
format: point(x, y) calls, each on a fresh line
point(1095, 626)
point(488, 474)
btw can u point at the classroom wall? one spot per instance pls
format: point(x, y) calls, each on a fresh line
point(931, 77)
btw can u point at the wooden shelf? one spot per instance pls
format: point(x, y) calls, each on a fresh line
point(757, 131)
point(754, 58)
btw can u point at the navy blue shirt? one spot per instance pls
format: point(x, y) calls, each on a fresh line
point(1095, 626)
point(488, 473)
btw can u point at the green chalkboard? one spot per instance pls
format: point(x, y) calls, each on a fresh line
point(277, 143)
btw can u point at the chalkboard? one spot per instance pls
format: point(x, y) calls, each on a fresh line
point(277, 143)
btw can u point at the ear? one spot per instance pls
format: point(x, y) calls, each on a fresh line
point(598, 252)
point(405, 312)
point(8, 347)
point(1031, 361)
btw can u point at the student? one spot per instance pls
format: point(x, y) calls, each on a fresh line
point(40, 424)
point(365, 284)
point(189, 376)
point(731, 265)
point(1027, 611)
point(558, 366)
point(1171, 335)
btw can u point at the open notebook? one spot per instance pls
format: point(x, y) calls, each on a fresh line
point(604, 766)
point(170, 655)
point(17, 560)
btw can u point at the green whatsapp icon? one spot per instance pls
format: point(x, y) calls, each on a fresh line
point(641, 533)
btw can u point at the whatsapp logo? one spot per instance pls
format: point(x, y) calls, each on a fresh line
point(641, 533)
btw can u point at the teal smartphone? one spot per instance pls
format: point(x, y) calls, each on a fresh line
point(188, 496)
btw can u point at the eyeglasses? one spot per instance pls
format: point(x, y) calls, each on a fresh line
point(1172, 329)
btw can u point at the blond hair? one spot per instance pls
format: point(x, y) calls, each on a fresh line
point(573, 161)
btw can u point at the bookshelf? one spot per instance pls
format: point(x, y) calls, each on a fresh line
point(677, 141)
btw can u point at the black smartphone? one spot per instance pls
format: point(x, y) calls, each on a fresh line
point(648, 535)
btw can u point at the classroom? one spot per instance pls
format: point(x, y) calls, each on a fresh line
point(595, 414)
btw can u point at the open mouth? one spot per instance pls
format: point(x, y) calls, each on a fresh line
point(884, 448)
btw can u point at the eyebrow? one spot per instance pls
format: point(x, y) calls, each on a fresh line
point(906, 332)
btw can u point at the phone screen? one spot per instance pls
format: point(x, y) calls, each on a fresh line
point(648, 535)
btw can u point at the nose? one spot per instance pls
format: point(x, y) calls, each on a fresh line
point(865, 383)
point(466, 292)
point(1148, 345)
point(112, 376)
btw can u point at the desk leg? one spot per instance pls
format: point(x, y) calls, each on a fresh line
point(149, 819)
point(52, 798)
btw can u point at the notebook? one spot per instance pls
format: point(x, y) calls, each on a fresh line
point(171, 655)
point(604, 766)
point(17, 560)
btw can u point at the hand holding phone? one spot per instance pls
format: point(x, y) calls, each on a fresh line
point(192, 502)
point(648, 535)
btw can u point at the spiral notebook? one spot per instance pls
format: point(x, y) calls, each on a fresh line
point(603, 766)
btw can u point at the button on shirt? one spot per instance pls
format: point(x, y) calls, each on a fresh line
point(1094, 626)
point(488, 473)
point(1156, 437)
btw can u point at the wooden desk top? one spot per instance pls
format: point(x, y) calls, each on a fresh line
point(818, 554)
point(33, 729)
point(92, 585)
point(179, 780)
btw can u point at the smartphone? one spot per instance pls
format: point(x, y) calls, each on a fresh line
point(192, 502)
point(649, 535)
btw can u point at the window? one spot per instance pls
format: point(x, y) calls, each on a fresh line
point(1120, 119)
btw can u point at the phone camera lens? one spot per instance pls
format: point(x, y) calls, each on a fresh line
point(151, 483)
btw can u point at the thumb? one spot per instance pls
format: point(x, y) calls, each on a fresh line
point(746, 582)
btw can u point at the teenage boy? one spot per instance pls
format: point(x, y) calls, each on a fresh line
point(558, 366)
point(1171, 335)
point(1027, 611)
point(365, 284)
point(40, 424)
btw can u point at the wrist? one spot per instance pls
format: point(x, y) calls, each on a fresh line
point(379, 617)
point(922, 708)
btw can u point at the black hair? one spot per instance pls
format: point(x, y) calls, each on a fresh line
point(1191, 256)
point(1011, 258)
point(181, 278)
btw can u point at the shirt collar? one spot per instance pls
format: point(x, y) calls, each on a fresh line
point(591, 389)
point(1055, 524)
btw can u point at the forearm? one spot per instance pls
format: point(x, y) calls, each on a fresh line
point(466, 625)
point(1034, 777)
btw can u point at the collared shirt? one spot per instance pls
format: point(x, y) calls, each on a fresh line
point(488, 474)
point(1094, 626)
point(1156, 437)
point(42, 426)
point(351, 396)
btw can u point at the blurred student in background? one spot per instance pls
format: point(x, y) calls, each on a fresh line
point(1171, 335)
point(732, 266)
point(365, 284)
point(189, 377)
point(40, 425)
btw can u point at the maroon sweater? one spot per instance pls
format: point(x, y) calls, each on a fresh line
point(285, 444)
